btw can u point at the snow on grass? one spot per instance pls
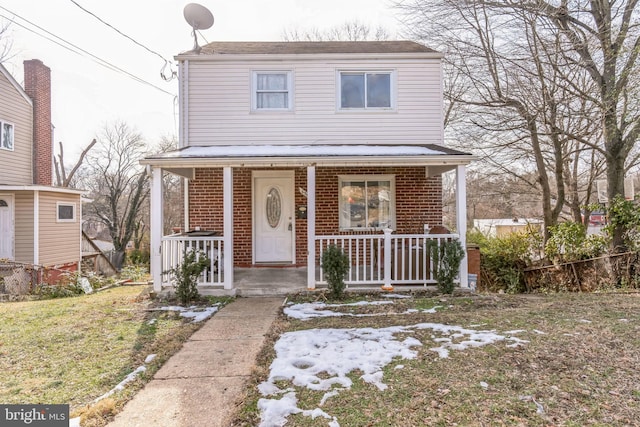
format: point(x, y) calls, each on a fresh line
point(321, 359)
point(195, 313)
point(313, 310)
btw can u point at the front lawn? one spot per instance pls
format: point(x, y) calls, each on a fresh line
point(74, 350)
point(522, 360)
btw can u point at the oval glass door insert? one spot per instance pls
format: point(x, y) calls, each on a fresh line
point(274, 207)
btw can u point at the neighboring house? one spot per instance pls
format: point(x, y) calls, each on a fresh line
point(501, 227)
point(39, 223)
point(289, 147)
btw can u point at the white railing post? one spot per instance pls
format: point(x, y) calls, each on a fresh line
point(387, 260)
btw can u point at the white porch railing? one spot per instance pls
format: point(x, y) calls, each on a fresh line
point(388, 259)
point(174, 248)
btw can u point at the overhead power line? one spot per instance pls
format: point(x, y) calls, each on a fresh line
point(76, 49)
point(129, 38)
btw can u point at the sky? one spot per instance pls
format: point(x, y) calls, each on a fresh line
point(86, 96)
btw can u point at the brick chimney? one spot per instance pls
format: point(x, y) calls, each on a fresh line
point(37, 84)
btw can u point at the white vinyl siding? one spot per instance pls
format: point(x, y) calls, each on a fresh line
point(219, 105)
point(15, 110)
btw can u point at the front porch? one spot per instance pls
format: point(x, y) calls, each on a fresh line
point(279, 208)
point(388, 260)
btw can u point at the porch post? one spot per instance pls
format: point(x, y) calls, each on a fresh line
point(461, 219)
point(311, 227)
point(156, 228)
point(228, 226)
point(387, 260)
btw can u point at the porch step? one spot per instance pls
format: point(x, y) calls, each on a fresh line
point(265, 291)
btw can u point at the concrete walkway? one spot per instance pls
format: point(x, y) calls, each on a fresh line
point(199, 385)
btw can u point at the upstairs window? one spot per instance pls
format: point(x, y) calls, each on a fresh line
point(366, 201)
point(6, 135)
point(272, 91)
point(366, 90)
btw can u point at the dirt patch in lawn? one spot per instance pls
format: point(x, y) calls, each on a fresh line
point(577, 366)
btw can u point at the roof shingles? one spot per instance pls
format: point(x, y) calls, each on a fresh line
point(301, 48)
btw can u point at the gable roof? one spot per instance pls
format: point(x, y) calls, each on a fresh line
point(15, 84)
point(297, 48)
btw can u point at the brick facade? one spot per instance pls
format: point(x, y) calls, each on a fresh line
point(37, 84)
point(418, 202)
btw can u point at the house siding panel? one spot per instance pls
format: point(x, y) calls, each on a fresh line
point(219, 105)
point(17, 165)
point(23, 221)
point(418, 202)
point(59, 241)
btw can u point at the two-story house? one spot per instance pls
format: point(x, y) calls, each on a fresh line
point(39, 224)
point(288, 147)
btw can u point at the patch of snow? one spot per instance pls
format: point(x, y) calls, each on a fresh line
point(132, 376)
point(484, 385)
point(584, 321)
point(623, 320)
point(399, 367)
point(321, 359)
point(539, 332)
point(195, 313)
point(399, 296)
point(327, 395)
point(515, 331)
point(74, 422)
point(314, 310)
point(539, 407)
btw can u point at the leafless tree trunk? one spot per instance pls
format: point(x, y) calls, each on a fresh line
point(119, 184)
point(64, 179)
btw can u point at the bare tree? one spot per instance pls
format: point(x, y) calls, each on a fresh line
point(118, 183)
point(518, 96)
point(64, 179)
point(347, 31)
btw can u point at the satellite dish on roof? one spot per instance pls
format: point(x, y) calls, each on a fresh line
point(199, 18)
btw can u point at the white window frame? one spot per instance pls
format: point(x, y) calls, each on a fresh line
point(365, 178)
point(254, 90)
point(58, 219)
point(13, 141)
point(392, 90)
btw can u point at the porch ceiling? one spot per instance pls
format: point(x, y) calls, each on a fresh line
point(304, 155)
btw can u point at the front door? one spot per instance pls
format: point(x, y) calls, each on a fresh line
point(6, 226)
point(273, 216)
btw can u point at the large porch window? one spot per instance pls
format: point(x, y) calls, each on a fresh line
point(366, 201)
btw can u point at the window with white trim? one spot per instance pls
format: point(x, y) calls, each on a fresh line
point(366, 90)
point(66, 212)
point(272, 91)
point(6, 135)
point(366, 201)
